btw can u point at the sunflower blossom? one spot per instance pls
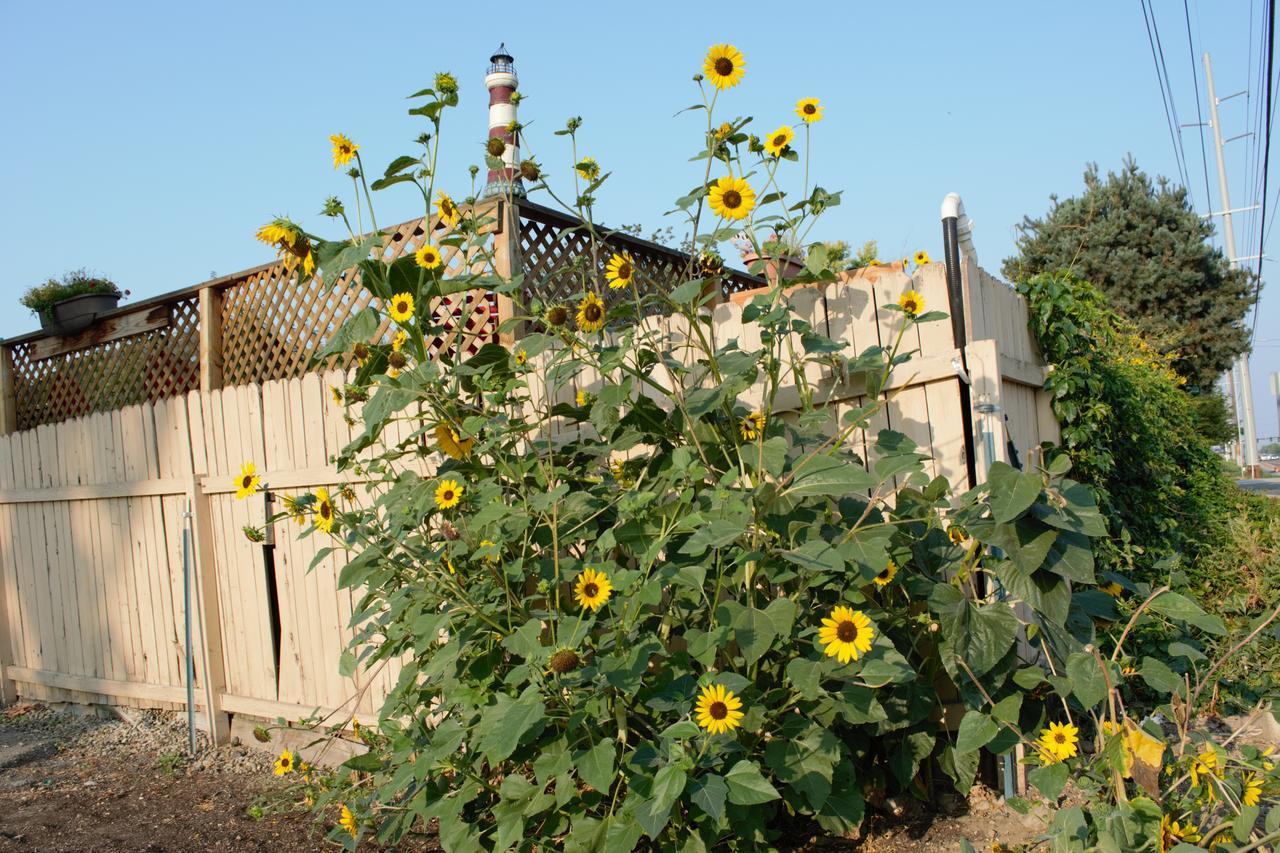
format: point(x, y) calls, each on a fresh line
point(428, 257)
point(324, 510)
point(591, 314)
point(846, 634)
point(247, 481)
point(401, 309)
point(886, 574)
point(732, 198)
point(285, 763)
point(718, 710)
point(724, 66)
point(620, 270)
point(779, 140)
point(592, 589)
point(911, 303)
point(343, 150)
point(1060, 740)
point(291, 242)
point(752, 426)
point(809, 110)
point(448, 493)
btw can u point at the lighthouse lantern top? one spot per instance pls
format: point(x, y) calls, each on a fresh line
point(501, 61)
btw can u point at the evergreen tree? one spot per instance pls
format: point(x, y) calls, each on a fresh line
point(1148, 250)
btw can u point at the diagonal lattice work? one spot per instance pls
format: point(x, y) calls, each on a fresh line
point(275, 323)
point(144, 367)
point(555, 253)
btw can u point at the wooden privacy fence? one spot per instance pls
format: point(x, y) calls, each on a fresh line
point(93, 506)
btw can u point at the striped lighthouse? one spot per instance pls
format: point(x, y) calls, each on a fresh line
point(501, 81)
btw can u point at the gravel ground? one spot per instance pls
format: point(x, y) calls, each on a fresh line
point(83, 783)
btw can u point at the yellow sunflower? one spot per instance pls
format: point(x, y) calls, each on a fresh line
point(1206, 764)
point(732, 198)
point(285, 763)
point(428, 257)
point(752, 426)
point(292, 244)
point(957, 535)
point(886, 575)
point(922, 258)
point(343, 150)
point(911, 303)
point(620, 270)
point(336, 392)
point(448, 493)
point(348, 822)
point(453, 444)
point(724, 66)
point(1113, 589)
point(809, 110)
point(779, 140)
point(521, 357)
point(296, 511)
point(1059, 740)
point(324, 510)
point(906, 264)
point(401, 308)
point(846, 634)
point(247, 481)
point(399, 340)
point(591, 313)
point(588, 169)
point(724, 131)
point(582, 397)
point(1172, 833)
point(592, 589)
point(1252, 793)
point(446, 211)
point(718, 710)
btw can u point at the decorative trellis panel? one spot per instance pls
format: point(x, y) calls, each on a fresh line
point(556, 255)
point(145, 367)
point(275, 322)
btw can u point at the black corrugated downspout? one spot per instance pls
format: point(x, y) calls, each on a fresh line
point(952, 210)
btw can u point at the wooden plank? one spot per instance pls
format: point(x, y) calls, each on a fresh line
point(8, 393)
point(95, 491)
point(110, 329)
point(103, 686)
point(206, 611)
point(210, 338)
point(269, 710)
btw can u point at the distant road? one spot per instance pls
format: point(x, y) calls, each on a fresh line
point(1270, 488)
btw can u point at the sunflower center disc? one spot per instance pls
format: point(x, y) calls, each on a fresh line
point(731, 198)
point(724, 67)
point(718, 710)
point(590, 590)
point(847, 632)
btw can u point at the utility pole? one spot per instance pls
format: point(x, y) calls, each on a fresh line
point(1250, 440)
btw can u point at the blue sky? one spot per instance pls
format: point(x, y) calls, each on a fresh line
point(148, 140)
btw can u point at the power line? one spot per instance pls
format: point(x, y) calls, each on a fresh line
point(1269, 31)
point(1166, 93)
point(1195, 77)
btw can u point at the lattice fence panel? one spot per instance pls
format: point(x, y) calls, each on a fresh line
point(144, 367)
point(557, 261)
point(274, 323)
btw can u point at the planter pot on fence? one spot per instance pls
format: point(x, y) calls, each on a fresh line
point(77, 313)
point(774, 266)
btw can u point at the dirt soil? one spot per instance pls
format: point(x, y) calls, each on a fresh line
point(75, 783)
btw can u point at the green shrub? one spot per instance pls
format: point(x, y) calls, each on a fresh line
point(75, 283)
point(1131, 431)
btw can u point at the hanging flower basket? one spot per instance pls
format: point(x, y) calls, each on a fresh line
point(73, 303)
point(77, 313)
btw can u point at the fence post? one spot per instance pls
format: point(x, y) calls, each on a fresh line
point(8, 393)
point(212, 673)
point(210, 339)
point(508, 262)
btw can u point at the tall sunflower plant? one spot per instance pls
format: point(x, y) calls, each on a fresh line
point(645, 586)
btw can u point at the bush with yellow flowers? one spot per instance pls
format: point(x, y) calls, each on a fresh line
point(688, 607)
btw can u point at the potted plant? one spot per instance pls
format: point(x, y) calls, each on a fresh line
point(72, 303)
point(780, 258)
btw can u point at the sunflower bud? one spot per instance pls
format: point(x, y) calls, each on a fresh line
point(397, 360)
point(529, 170)
point(424, 139)
point(474, 170)
point(754, 145)
point(557, 315)
point(446, 83)
point(332, 207)
point(515, 99)
point(253, 534)
point(495, 146)
point(353, 172)
point(565, 661)
point(347, 493)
